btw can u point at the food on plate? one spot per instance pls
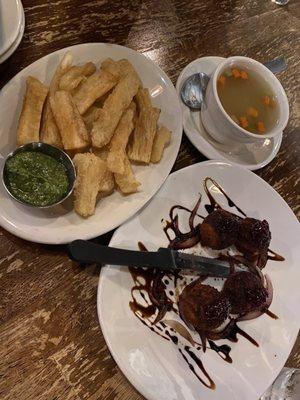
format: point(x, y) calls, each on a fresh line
point(192, 311)
point(93, 88)
point(73, 132)
point(75, 75)
point(248, 99)
point(30, 118)
point(103, 114)
point(126, 181)
point(117, 147)
point(111, 112)
point(36, 178)
point(161, 140)
point(141, 143)
point(90, 170)
point(49, 131)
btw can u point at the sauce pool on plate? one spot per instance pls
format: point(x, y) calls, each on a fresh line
point(36, 178)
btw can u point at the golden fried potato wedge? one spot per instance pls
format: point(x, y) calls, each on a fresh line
point(75, 75)
point(119, 68)
point(92, 89)
point(30, 118)
point(112, 110)
point(90, 116)
point(49, 131)
point(126, 182)
point(117, 146)
point(141, 143)
point(90, 169)
point(107, 183)
point(161, 139)
point(71, 126)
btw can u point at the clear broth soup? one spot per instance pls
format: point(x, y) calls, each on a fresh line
point(248, 99)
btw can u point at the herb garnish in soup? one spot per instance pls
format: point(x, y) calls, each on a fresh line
point(36, 178)
point(248, 100)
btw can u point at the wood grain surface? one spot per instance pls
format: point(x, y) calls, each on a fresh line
point(51, 346)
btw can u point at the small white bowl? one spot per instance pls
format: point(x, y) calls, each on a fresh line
point(219, 124)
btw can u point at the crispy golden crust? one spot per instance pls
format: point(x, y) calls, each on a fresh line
point(126, 182)
point(90, 117)
point(113, 108)
point(117, 147)
point(75, 75)
point(71, 126)
point(119, 68)
point(161, 139)
point(90, 170)
point(30, 118)
point(92, 89)
point(141, 143)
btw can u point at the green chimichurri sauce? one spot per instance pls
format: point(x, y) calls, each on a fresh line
point(36, 178)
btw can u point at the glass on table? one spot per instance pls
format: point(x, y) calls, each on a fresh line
point(281, 2)
point(285, 387)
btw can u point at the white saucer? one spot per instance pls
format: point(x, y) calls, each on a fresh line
point(15, 44)
point(252, 156)
point(10, 22)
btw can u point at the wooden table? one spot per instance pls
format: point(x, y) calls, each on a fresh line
point(51, 343)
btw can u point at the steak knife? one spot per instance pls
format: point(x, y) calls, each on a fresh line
point(165, 259)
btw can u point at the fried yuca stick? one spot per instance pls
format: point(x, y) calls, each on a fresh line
point(90, 170)
point(140, 147)
point(126, 181)
point(90, 117)
point(30, 118)
point(49, 130)
point(119, 68)
point(107, 183)
point(75, 75)
point(117, 147)
point(161, 139)
point(71, 126)
point(109, 116)
point(94, 87)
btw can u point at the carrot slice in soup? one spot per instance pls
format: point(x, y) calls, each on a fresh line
point(244, 122)
point(236, 73)
point(261, 127)
point(244, 75)
point(253, 112)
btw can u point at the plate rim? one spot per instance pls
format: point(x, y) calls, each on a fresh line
point(132, 379)
point(206, 151)
point(19, 232)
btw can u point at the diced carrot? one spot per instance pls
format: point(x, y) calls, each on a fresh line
point(236, 73)
point(244, 122)
point(222, 80)
point(261, 127)
point(252, 112)
point(266, 100)
point(244, 75)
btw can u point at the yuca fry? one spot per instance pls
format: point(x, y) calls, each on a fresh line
point(72, 128)
point(161, 139)
point(107, 183)
point(117, 147)
point(90, 170)
point(119, 68)
point(49, 130)
point(93, 88)
point(90, 116)
point(30, 118)
point(141, 143)
point(112, 110)
point(126, 181)
point(75, 75)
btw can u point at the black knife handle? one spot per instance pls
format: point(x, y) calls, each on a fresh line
point(87, 252)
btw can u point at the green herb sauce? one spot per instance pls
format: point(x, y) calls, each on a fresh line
point(36, 178)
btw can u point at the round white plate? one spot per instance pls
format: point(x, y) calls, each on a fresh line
point(10, 23)
point(61, 225)
point(16, 43)
point(252, 156)
point(153, 365)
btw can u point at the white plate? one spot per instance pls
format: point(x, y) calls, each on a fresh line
point(10, 23)
point(154, 365)
point(252, 156)
point(62, 225)
point(14, 46)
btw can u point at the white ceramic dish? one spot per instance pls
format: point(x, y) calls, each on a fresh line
point(219, 124)
point(63, 225)
point(153, 365)
point(251, 155)
point(10, 23)
point(14, 46)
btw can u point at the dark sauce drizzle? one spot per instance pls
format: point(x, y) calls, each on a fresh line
point(157, 303)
